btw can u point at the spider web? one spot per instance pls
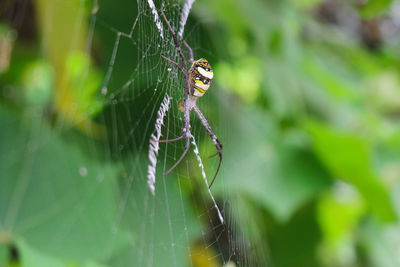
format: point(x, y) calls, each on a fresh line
point(84, 181)
point(154, 87)
point(172, 220)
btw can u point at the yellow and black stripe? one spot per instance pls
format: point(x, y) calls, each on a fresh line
point(201, 75)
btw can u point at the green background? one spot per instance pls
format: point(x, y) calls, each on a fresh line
point(305, 99)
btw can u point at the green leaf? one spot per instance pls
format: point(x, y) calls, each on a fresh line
point(33, 258)
point(338, 214)
point(156, 224)
point(295, 243)
point(349, 158)
point(52, 196)
point(30, 257)
point(381, 244)
point(375, 7)
point(280, 176)
point(3, 255)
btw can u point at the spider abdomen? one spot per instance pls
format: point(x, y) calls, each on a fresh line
point(201, 75)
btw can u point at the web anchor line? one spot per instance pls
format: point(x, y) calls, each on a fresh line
point(154, 144)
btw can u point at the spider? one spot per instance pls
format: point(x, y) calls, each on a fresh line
point(196, 82)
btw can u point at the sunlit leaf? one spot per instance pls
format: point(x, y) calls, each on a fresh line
point(375, 7)
point(339, 213)
point(349, 157)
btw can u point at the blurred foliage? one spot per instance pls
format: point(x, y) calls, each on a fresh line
point(305, 101)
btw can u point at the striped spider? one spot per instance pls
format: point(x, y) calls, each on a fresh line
point(196, 82)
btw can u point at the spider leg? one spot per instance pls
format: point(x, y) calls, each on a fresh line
point(182, 156)
point(217, 143)
point(186, 133)
point(176, 42)
point(190, 52)
point(220, 145)
point(176, 64)
point(174, 139)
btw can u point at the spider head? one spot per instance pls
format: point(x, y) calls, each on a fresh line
point(201, 75)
